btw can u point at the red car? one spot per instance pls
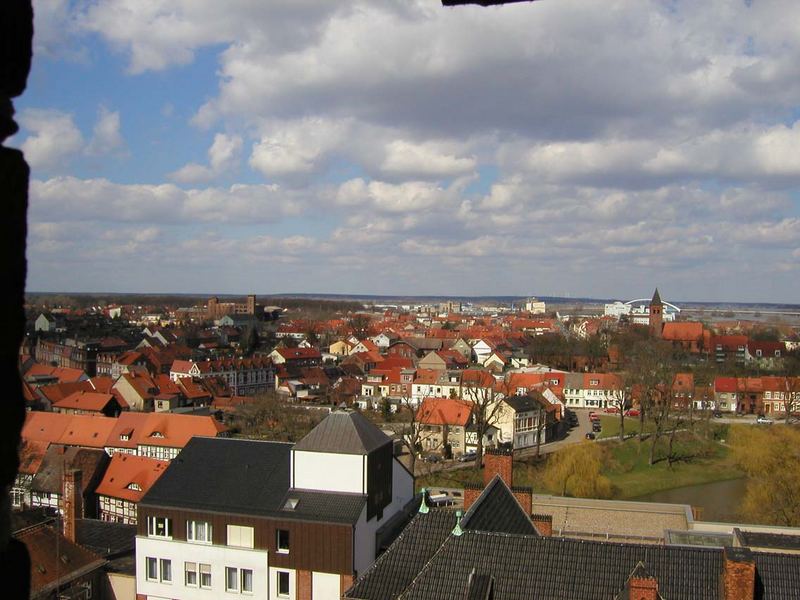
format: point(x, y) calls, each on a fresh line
point(612, 410)
point(632, 412)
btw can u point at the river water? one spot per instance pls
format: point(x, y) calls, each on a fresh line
point(719, 501)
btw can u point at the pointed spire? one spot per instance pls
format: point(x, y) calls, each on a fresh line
point(423, 506)
point(656, 298)
point(457, 531)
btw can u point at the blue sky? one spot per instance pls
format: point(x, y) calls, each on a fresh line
point(557, 147)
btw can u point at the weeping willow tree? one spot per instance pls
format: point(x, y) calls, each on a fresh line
point(577, 471)
point(771, 458)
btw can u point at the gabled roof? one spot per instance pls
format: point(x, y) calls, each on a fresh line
point(209, 475)
point(129, 477)
point(50, 569)
point(343, 432)
point(82, 400)
point(496, 509)
point(444, 411)
point(49, 477)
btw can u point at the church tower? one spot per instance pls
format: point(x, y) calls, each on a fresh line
point(656, 315)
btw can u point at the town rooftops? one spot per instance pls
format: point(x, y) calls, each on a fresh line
point(83, 400)
point(343, 432)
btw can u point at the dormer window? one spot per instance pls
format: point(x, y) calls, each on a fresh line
point(157, 434)
point(135, 487)
point(594, 382)
point(291, 503)
point(124, 437)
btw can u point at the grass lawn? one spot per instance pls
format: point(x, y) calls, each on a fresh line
point(610, 425)
point(702, 462)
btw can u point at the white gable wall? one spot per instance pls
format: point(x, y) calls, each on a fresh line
point(329, 472)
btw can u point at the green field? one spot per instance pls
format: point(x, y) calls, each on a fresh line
point(610, 425)
point(701, 462)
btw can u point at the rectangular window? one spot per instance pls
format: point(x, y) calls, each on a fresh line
point(159, 527)
point(190, 574)
point(247, 581)
point(283, 583)
point(198, 531)
point(283, 541)
point(166, 570)
point(152, 568)
point(239, 535)
point(205, 576)
point(231, 579)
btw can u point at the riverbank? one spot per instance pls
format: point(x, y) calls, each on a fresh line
point(699, 461)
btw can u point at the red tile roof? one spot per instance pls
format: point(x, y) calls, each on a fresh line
point(444, 411)
point(82, 400)
point(129, 477)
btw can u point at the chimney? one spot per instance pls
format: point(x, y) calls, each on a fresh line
point(738, 574)
point(471, 493)
point(643, 588)
point(524, 496)
point(73, 502)
point(543, 524)
point(498, 462)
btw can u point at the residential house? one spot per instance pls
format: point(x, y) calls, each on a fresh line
point(341, 348)
point(441, 425)
point(244, 376)
point(687, 335)
point(31, 455)
point(729, 348)
point(526, 420)
point(47, 484)
point(726, 394)
point(592, 390)
point(271, 519)
point(127, 479)
point(69, 430)
point(138, 389)
point(89, 403)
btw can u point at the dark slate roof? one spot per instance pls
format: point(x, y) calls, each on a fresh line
point(762, 539)
point(597, 570)
point(496, 509)
point(106, 539)
point(344, 432)
point(640, 572)
point(324, 506)
point(221, 474)
point(394, 570)
point(244, 477)
point(522, 403)
point(776, 576)
point(428, 562)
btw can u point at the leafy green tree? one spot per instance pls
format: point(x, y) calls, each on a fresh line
point(577, 471)
point(771, 458)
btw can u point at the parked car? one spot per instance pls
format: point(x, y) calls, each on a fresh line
point(632, 412)
point(612, 410)
point(590, 436)
point(716, 414)
point(764, 420)
point(596, 427)
point(432, 458)
point(467, 456)
point(594, 418)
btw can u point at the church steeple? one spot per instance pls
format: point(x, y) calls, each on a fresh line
point(656, 314)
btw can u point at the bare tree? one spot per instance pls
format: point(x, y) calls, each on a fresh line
point(620, 399)
point(480, 388)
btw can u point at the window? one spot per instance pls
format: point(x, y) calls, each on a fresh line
point(247, 581)
point(283, 541)
point(205, 576)
point(159, 527)
point(152, 568)
point(198, 531)
point(190, 574)
point(231, 579)
point(283, 583)
point(240, 536)
point(166, 570)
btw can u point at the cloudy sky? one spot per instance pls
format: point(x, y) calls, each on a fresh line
point(560, 147)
